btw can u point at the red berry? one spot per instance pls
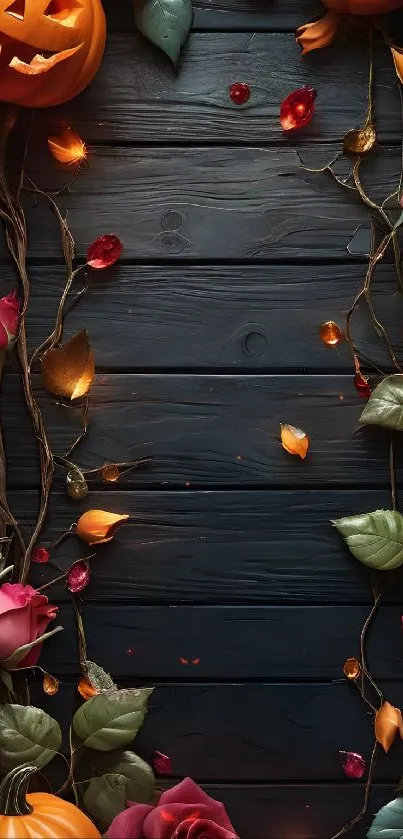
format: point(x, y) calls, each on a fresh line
point(298, 108)
point(40, 555)
point(104, 252)
point(361, 385)
point(239, 93)
point(78, 576)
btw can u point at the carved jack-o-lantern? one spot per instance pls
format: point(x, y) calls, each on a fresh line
point(50, 49)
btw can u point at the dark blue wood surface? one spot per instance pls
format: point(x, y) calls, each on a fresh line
point(205, 339)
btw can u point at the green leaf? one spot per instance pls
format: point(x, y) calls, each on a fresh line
point(165, 23)
point(111, 719)
point(375, 539)
point(27, 735)
point(127, 777)
point(388, 823)
point(98, 678)
point(385, 405)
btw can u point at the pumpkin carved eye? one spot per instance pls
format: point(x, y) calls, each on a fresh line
point(64, 11)
point(17, 9)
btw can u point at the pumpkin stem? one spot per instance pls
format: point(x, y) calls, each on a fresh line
point(13, 791)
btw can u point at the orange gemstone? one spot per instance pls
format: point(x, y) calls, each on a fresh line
point(110, 473)
point(50, 684)
point(330, 333)
point(86, 688)
point(352, 668)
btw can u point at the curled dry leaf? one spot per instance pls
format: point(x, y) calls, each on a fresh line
point(69, 370)
point(388, 722)
point(96, 526)
point(321, 33)
point(359, 140)
point(294, 440)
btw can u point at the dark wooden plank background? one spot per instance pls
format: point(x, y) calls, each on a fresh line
point(206, 338)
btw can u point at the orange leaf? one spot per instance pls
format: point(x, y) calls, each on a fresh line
point(68, 147)
point(314, 36)
point(294, 440)
point(388, 722)
point(69, 370)
point(96, 526)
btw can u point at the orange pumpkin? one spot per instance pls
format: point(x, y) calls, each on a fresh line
point(50, 49)
point(39, 815)
point(363, 7)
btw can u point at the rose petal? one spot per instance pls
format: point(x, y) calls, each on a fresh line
point(129, 823)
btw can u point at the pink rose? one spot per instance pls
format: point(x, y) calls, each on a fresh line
point(9, 319)
point(183, 812)
point(24, 616)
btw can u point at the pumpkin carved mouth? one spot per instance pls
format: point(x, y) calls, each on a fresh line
point(27, 60)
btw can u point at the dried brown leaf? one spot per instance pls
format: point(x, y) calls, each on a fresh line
point(388, 722)
point(68, 370)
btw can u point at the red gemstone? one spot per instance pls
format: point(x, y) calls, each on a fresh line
point(40, 555)
point(105, 251)
point(298, 108)
point(78, 576)
point(352, 764)
point(239, 93)
point(361, 385)
point(162, 763)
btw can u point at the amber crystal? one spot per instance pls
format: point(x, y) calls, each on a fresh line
point(351, 668)
point(330, 333)
point(50, 684)
point(76, 484)
point(86, 688)
point(110, 473)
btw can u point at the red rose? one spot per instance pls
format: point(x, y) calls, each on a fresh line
point(9, 319)
point(183, 812)
point(24, 616)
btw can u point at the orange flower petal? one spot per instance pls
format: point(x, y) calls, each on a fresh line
point(388, 722)
point(68, 147)
point(97, 526)
point(294, 440)
point(314, 36)
point(397, 56)
point(86, 688)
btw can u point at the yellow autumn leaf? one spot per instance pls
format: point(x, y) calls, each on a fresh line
point(68, 370)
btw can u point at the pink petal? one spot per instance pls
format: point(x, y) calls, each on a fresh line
point(190, 792)
point(129, 823)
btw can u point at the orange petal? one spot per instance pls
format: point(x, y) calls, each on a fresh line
point(86, 688)
point(314, 36)
point(388, 722)
point(294, 440)
point(397, 56)
point(68, 147)
point(68, 370)
point(39, 64)
point(97, 526)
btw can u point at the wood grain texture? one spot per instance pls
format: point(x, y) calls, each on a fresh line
point(138, 97)
point(210, 431)
point(208, 203)
point(224, 15)
point(260, 317)
point(219, 643)
point(264, 733)
point(217, 547)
